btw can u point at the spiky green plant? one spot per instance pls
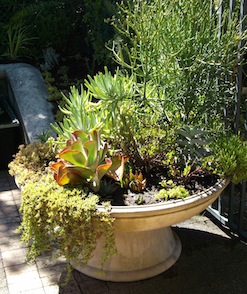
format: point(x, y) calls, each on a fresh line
point(79, 114)
point(18, 39)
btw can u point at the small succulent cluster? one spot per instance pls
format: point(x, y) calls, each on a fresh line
point(135, 182)
point(171, 191)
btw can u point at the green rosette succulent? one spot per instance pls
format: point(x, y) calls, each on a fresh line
point(84, 161)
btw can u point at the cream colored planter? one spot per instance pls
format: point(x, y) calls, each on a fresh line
point(145, 243)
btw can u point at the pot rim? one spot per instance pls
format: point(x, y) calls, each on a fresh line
point(171, 204)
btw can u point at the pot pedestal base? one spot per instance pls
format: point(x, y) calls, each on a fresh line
point(141, 255)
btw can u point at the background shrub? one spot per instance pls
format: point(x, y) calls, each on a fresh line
point(70, 27)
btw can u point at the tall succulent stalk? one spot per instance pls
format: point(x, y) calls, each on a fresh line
point(176, 52)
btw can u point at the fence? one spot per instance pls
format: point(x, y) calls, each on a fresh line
point(231, 207)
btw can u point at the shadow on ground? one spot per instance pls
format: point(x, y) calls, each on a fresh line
point(209, 264)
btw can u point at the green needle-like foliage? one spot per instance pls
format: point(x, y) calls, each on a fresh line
point(79, 114)
point(184, 53)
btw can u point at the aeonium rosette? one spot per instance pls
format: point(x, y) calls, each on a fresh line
point(84, 160)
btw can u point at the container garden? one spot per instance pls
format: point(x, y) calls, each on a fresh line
point(64, 180)
point(107, 242)
point(153, 127)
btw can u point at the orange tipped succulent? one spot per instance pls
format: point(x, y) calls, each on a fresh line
point(136, 182)
point(84, 160)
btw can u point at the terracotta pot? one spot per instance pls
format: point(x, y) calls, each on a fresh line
point(145, 243)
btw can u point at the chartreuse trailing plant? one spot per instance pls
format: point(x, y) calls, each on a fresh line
point(61, 215)
point(63, 220)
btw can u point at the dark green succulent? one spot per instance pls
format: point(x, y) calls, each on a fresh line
point(193, 142)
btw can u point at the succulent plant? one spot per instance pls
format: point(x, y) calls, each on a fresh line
point(176, 192)
point(193, 142)
point(84, 161)
point(135, 182)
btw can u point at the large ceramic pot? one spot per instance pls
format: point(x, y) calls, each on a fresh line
point(145, 243)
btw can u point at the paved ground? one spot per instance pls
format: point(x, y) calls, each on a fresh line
point(211, 261)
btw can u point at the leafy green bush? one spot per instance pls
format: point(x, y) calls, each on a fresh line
point(69, 27)
point(99, 32)
point(229, 157)
point(32, 161)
